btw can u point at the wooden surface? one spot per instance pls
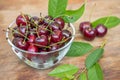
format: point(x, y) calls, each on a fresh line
point(11, 68)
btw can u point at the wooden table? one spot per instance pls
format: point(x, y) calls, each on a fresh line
point(11, 68)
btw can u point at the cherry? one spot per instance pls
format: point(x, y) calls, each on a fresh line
point(34, 20)
point(22, 30)
point(42, 30)
point(32, 48)
point(54, 26)
point(41, 21)
point(21, 21)
point(16, 32)
point(42, 40)
point(56, 36)
point(31, 38)
point(84, 25)
point(20, 43)
point(89, 34)
point(60, 21)
point(66, 34)
point(101, 30)
point(47, 19)
point(54, 47)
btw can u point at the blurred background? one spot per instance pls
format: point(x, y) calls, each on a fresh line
point(11, 68)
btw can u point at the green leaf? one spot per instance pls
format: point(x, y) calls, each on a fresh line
point(57, 7)
point(79, 49)
point(83, 76)
point(95, 72)
point(74, 15)
point(63, 71)
point(94, 57)
point(109, 22)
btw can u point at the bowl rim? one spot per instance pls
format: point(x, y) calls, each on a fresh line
point(25, 51)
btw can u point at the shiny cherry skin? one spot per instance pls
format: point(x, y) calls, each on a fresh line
point(89, 34)
point(101, 30)
point(20, 43)
point(84, 25)
point(32, 48)
point(60, 21)
point(42, 30)
point(66, 34)
point(54, 47)
point(56, 36)
point(22, 30)
point(21, 21)
point(41, 40)
point(54, 26)
point(34, 20)
point(16, 32)
point(31, 38)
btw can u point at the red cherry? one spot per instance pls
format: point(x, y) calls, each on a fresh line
point(89, 34)
point(23, 29)
point(31, 38)
point(56, 36)
point(32, 48)
point(101, 30)
point(42, 40)
point(42, 30)
point(16, 32)
point(20, 43)
point(54, 26)
point(66, 34)
point(84, 25)
point(21, 21)
point(60, 21)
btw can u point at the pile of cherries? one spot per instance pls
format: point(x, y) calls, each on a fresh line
point(90, 33)
point(40, 34)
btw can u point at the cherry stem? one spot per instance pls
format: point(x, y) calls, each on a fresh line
point(92, 11)
point(18, 33)
point(78, 74)
point(103, 44)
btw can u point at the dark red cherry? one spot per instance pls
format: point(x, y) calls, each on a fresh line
point(23, 29)
point(47, 19)
point(101, 30)
point(42, 30)
point(31, 38)
point(54, 26)
point(54, 47)
point(60, 21)
point(66, 34)
point(20, 43)
point(34, 20)
point(20, 20)
point(42, 40)
point(16, 32)
point(32, 48)
point(56, 36)
point(84, 25)
point(89, 34)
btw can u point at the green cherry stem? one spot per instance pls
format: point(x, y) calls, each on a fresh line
point(103, 44)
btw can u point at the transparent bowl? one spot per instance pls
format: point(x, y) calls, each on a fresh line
point(43, 60)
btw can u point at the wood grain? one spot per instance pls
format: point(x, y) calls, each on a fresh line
point(11, 68)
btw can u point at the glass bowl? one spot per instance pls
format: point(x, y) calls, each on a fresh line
point(43, 60)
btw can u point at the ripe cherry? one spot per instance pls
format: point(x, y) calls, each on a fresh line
point(60, 21)
point(42, 40)
point(31, 38)
point(56, 36)
point(66, 34)
point(23, 29)
point(16, 32)
point(20, 20)
point(20, 43)
point(84, 25)
point(42, 30)
point(47, 20)
point(54, 47)
point(89, 34)
point(101, 30)
point(34, 20)
point(32, 48)
point(54, 26)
